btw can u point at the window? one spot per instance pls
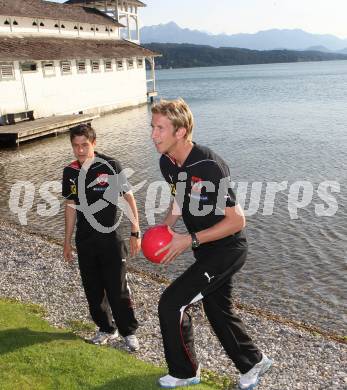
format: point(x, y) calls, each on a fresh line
point(15, 23)
point(95, 64)
point(92, 29)
point(6, 22)
point(119, 64)
point(6, 71)
point(130, 63)
point(48, 68)
point(62, 26)
point(56, 25)
point(108, 65)
point(42, 24)
point(75, 28)
point(34, 23)
point(140, 62)
point(28, 66)
point(65, 67)
point(81, 66)
point(97, 29)
point(81, 28)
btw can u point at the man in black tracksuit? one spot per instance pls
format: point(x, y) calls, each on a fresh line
point(200, 183)
point(91, 186)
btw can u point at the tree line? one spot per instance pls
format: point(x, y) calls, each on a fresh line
point(176, 55)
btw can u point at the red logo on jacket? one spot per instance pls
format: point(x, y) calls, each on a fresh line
point(196, 183)
point(102, 179)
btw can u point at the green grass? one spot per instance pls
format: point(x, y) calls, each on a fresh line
point(36, 356)
point(80, 326)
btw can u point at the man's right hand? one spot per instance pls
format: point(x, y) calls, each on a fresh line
point(68, 253)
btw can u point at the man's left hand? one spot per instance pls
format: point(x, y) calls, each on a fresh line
point(135, 246)
point(179, 243)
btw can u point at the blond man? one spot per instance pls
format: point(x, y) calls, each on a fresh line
point(200, 185)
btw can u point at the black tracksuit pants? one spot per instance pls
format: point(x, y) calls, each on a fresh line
point(102, 263)
point(209, 279)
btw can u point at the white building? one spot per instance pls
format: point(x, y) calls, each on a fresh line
point(71, 58)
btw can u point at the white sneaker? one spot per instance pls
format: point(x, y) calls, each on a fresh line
point(249, 380)
point(132, 342)
point(102, 338)
point(170, 382)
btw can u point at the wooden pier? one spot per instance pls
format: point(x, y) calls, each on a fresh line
point(28, 130)
point(151, 95)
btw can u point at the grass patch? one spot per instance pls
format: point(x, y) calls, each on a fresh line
point(36, 356)
point(221, 382)
point(80, 326)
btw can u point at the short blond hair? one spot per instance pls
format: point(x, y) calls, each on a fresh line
point(178, 112)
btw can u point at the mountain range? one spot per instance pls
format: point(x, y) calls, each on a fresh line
point(273, 39)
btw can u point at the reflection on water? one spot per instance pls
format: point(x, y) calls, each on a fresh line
point(271, 123)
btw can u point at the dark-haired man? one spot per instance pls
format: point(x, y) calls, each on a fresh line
point(92, 185)
point(200, 184)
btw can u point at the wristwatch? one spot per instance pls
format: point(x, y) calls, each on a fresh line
point(195, 241)
point(136, 234)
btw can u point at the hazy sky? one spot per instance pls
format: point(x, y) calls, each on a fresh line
point(249, 16)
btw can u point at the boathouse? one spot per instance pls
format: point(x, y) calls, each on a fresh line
point(82, 56)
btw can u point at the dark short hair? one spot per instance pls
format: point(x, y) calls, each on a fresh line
point(85, 129)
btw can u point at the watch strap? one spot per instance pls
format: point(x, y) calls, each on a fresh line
point(195, 241)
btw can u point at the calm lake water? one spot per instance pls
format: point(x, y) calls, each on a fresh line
point(281, 123)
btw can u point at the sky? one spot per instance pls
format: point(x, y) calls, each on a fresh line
point(249, 16)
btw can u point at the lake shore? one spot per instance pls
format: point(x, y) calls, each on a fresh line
point(33, 270)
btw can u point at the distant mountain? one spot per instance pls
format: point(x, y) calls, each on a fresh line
point(323, 49)
point(262, 40)
point(187, 55)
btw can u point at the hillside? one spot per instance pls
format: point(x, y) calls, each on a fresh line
point(188, 56)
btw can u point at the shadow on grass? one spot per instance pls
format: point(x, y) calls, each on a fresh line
point(13, 339)
point(142, 381)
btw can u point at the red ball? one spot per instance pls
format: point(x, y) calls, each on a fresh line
point(155, 238)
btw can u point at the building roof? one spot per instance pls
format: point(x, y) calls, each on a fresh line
point(15, 48)
point(134, 2)
point(43, 9)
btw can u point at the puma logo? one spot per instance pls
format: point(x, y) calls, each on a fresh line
point(208, 277)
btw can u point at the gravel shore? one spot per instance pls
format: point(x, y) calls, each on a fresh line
point(33, 270)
